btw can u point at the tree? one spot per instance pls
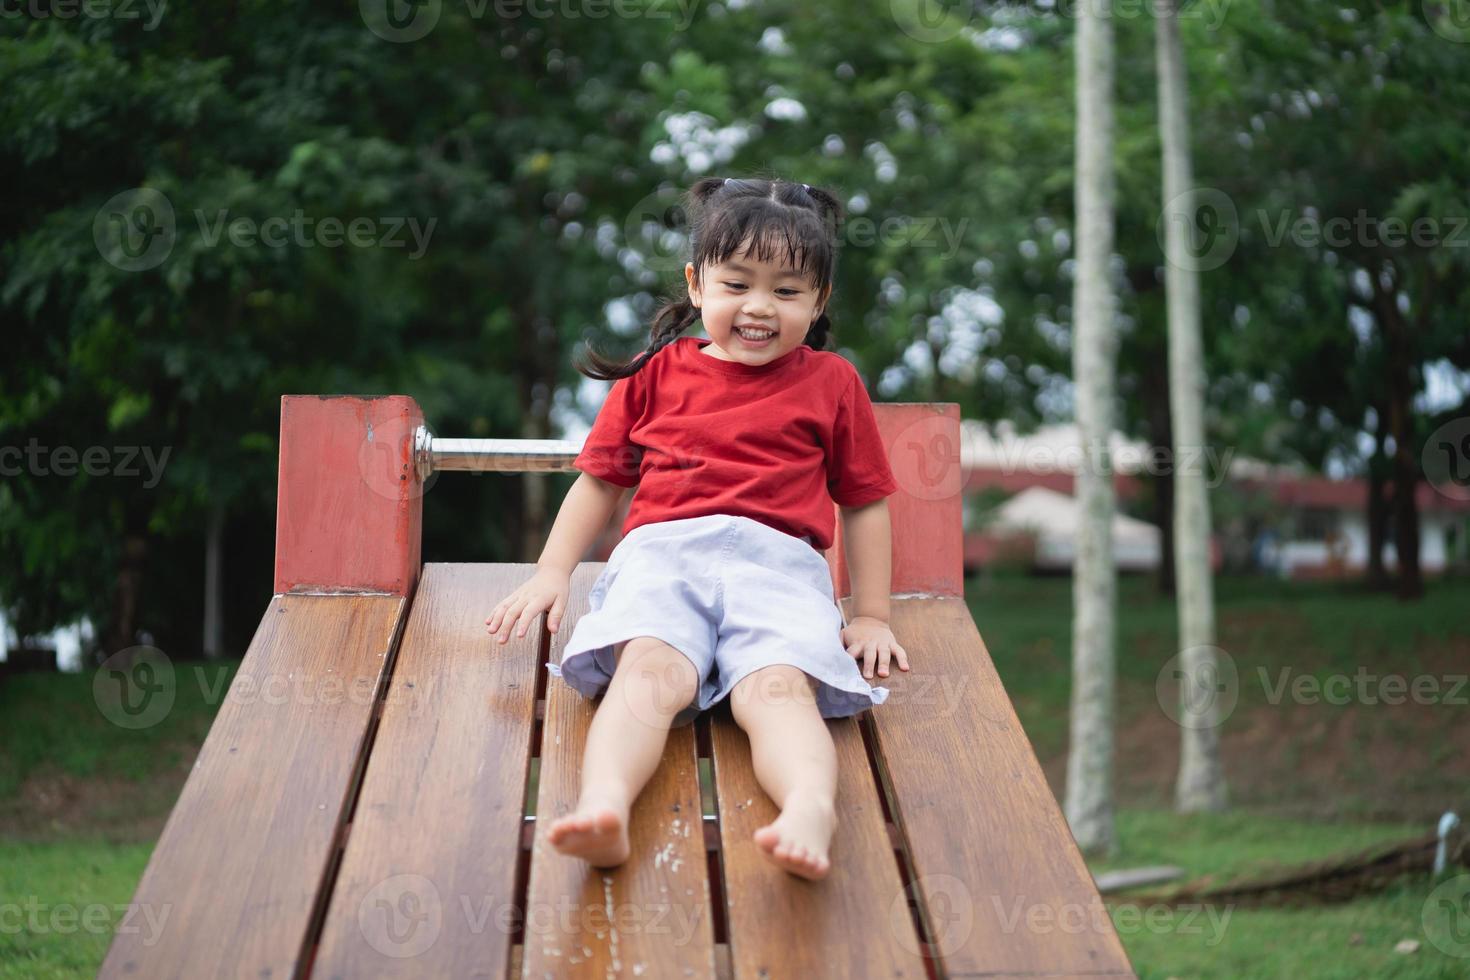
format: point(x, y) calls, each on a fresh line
point(1089, 802)
point(1201, 784)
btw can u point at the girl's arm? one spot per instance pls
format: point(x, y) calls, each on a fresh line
point(584, 512)
point(588, 506)
point(868, 539)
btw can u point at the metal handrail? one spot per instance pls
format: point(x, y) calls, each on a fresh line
point(432, 454)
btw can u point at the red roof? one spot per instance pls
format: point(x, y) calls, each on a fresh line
point(1013, 481)
point(1352, 494)
point(1307, 491)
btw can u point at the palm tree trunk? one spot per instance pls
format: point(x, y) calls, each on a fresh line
point(1201, 783)
point(1089, 802)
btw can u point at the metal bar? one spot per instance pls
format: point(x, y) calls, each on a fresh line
point(433, 454)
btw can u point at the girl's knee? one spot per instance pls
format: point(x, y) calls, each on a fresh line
point(648, 663)
point(777, 687)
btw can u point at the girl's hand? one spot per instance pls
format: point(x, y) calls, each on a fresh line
point(868, 639)
point(544, 590)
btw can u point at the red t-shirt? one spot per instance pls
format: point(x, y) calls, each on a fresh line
point(776, 442)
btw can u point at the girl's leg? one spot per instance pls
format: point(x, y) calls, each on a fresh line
point(795, 763)
point(651, 684)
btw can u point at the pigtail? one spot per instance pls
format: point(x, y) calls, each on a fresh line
point(672, 319)
point(828, 206)
point(816, 337)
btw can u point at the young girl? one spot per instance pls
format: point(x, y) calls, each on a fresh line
point(738, 445)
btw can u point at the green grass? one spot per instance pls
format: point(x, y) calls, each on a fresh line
point(1332, 942)
point(1342, 942)
point(1237, 843)
point(52, 721)
point(59, 904)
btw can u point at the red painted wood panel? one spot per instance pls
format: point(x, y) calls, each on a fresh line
point(923, 442)
point(349, 506)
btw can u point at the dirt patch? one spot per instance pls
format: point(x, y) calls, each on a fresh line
point(1382, 762)
point(54, 805)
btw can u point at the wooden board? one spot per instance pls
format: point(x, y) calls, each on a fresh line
point(853, 923)
point(238, 870)
point(427, 882)
point(1004, 887)
point(649, 917)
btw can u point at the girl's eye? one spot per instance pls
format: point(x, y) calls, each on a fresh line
point(741, 285)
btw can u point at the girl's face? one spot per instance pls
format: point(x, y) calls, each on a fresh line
point(754, 312)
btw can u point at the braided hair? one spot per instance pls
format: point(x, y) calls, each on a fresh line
point(777, 218)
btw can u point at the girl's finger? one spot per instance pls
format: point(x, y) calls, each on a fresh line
point(869, 654)
point(903, 658)
point(498, 612)
point(507, 623)
point(883, 662)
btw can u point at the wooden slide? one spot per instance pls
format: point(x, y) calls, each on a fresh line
point(360, 807)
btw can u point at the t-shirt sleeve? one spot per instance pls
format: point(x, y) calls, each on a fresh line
point(857, 467)
point(609, 452)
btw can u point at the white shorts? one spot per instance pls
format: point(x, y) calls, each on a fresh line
point(730, 593)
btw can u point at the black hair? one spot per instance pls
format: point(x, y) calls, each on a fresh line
point(781, 220)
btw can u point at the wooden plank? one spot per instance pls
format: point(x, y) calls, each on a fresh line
point(236, 874)
point(427, 882)
point(349, 505)
point(853, 923)
point(1005, 890)
point(649, 917)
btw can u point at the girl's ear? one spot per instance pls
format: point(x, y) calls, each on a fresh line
point(693, 284)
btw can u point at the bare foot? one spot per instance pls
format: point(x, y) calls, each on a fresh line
point(596, 832)
point(797, 840)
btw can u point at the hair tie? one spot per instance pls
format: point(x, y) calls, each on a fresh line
point(807, 188)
